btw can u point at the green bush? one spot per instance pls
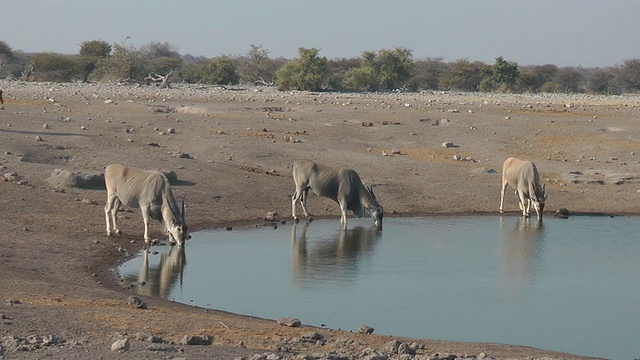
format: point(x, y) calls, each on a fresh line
point(385, 70)
point(217, 71)
point(54, 67)
point(308, 72)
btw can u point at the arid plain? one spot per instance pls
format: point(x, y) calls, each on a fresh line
point(231, 150)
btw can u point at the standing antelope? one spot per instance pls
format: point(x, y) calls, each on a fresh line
point(341, 185)
point(148, 190)
point(524, 178)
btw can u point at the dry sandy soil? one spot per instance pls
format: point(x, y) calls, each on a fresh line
point(231, 150)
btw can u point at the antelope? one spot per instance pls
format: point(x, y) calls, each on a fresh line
point(148, 190)
point(524, 178)
point(342, 185)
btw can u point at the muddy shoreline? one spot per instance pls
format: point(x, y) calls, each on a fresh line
point(57, 264)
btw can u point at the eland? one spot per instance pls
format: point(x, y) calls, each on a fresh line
point(342, 185)
point(148, 190)
point(524, 178)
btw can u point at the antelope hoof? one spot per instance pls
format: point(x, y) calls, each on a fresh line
point(296, 219)
point(109, 233)
point(309, 219)
point(118, 232)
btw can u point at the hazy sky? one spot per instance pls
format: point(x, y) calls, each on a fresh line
point(586, 33)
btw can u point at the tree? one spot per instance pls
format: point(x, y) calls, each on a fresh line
point(602, 82)
point(364, 77)
point(426, 73)
point(629, 74)
point(162, 57)
point(91, 52)
point(533, 78)
point(308, 72)
point(338, 69)
point(256, 67)
point(568, 80)
point(136, 64)
point(502, 76)
point(53, 67)
point(462, 75)
point(395, 68)
point(385, 70)
point(126, 63)
point(217, 71)
point(95, 48)
point(6, 55)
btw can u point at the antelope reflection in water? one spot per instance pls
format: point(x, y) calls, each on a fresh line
point(160, 280)
point(334, 259)
point(520, 251)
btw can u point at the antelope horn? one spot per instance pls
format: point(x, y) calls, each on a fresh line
point(373, 195)
point(182, 210)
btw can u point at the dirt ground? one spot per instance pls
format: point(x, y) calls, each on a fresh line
point(231, 149)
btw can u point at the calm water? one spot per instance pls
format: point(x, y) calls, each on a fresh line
point(568, 285)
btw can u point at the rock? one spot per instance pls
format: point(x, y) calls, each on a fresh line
point(404, 348)
point(50, 340)
point(164, 348)
point(39, 138)
point(11, 302)
point(65, 178)
point(392, 347)
point(109, 101)
point(562, 213)
point(196, 340)
point(11, 176)
point(271, 216)
point(136, 302)
point(143, 336)
point(171, 131)
point(45, 126)
point(290, 322)
point(89, 201)
point(364, 329)
point(313, 337)
point(184, 156)
point(395, 151)
point(447, 144)
point(457, 157)
point(483, 170)
point(121, 345)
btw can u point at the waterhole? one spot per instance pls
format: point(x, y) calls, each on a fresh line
point(564, 284)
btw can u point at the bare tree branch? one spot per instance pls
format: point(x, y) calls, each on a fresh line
point(262, 82)
point(161, 80)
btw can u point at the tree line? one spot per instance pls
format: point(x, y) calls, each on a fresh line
point(384, 70)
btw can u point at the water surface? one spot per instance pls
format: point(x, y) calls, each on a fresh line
point(567, 284)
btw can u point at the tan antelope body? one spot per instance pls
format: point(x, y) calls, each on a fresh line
point(151, 193)
point(342, 185)
point(524, 178)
